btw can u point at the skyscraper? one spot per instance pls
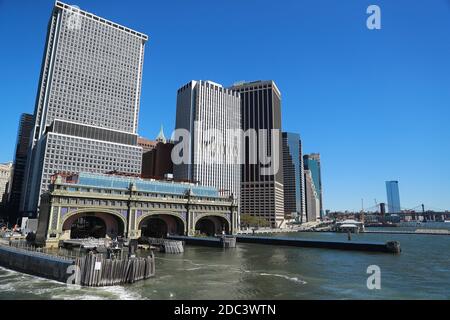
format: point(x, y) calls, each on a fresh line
point(87, 108)
point(312, 198)
point(393, 197)
point(294, 182)
point(312, 163)
point(262, 192)
point(26, 126)
point(208, 111)
point(5, 181)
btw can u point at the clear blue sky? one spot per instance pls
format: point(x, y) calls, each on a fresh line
point(375, 104)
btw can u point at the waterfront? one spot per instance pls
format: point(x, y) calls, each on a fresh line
point(421, 271)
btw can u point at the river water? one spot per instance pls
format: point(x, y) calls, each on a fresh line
point(421, 271)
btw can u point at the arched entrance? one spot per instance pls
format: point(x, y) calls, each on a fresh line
point(160, 225)
point(93, 225)
point(87, 227)
point(212, 225)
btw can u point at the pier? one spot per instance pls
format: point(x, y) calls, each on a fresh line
point(431, 232)
point(91, 269)
point(227, 242)
point(218, 242)
point(388, 247)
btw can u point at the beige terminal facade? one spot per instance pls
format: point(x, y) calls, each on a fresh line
point(132, 207)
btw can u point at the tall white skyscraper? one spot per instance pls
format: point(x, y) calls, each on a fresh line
point(208, 111)
point(87, 107)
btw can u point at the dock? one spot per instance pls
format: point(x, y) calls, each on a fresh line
point(431, 232)
point(218, 242)
point(88, 244)
point(388, 247)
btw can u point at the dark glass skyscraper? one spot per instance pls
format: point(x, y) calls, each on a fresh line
point(294, 184)
point(262, 193)
point(312, 163)
point(26, 126)
point(393, 197)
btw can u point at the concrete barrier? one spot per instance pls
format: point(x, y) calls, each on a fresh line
point(35, 263)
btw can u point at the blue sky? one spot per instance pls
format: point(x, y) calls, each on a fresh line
point(374, 103)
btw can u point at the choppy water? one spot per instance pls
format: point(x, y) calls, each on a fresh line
point(250, 271)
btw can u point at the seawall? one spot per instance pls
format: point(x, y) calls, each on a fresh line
point(35, 263)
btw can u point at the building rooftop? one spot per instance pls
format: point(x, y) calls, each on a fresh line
point(75, 9)
point(257, 83)
point(123, 182)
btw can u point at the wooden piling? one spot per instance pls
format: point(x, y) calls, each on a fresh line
point(114, 272)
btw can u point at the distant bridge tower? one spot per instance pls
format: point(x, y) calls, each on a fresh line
point(382, 211)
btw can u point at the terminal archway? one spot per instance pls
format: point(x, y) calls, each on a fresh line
point(93, 225)
point(161, 225)
point(212, 225)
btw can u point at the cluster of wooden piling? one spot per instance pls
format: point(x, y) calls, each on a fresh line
point(165, 245)
point(228, 242)
point(96, 271)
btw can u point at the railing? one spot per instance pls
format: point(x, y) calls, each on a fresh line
point(90, 269)
point(58, 253)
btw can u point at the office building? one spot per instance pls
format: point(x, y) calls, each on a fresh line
point(312, 163)
point(26, 126)
point(157, 163)
point(208, 111)
point(393, 197)
point(87, 108)
point(293, 174)
point(146, 145)
point(5, 181)
point(312, 200)
point(262, 192)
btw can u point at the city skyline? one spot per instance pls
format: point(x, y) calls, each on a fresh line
point(368, 167)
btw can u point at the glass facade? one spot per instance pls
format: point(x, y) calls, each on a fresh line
point(393, 197)
point(312, 163)
point(293, 174)
point(116, 182)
